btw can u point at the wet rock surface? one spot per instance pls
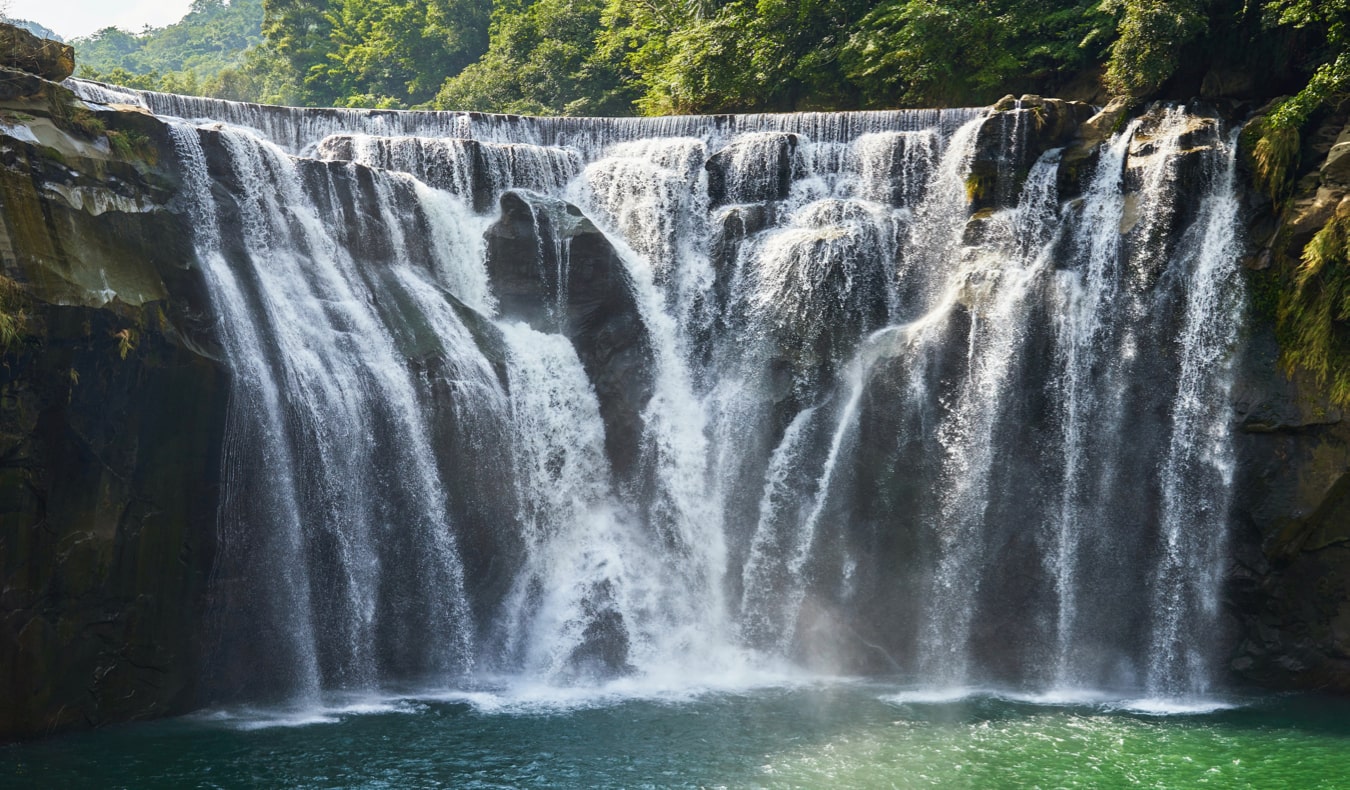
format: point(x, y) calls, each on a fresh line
point(112, 406)
point(1289, 592)
point(1010, 141)
point(764, 163)
point(553, 269)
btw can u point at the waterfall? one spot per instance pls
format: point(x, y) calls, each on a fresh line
point(577, 401)
point(1197, 474)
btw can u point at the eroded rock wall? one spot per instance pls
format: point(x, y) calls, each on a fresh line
point(111, 420)
point(1290, 591)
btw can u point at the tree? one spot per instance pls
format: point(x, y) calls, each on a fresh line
point(541, 61)
point(933, 52)
point(1153, 34)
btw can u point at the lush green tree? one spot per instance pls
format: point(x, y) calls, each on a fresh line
point(702, 62)
point(263, 77)
point(212, 36)
point(970, 51)
point(300, 36)
point(543, 59)
point(735, 56)
point(1153, 35)
point(613, 57)
point(396, 53)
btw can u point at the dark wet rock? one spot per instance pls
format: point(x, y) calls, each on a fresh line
point(1080, 156)
point(1011, 139)
point(1289, 585)
point(112, 411)
point(15, 84)
point(604, 647)
point(553, 269)
point(753, 169)
point(1185, 170)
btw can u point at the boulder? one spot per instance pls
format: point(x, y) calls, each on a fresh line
point(754, 168)
point(1016, 134)
point(1076, 165)
point(1335, 169)
point(16, 84)
point(25, 52)
point(552, 268)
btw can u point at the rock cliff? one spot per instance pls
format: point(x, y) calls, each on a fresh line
point(111, 411)
point(1291, 579)
point(113, 396)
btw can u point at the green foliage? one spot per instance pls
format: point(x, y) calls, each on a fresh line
point(394, 53)
point(299, 37)
point(1153, 36)
point(14, 307)
point(1332, 16)
point(614, 57)
point(705, 64)
point(1314, 310)
point(543, 59)
point(1274, 153)
point(1274, 140)
point(370, 53)
point(967, 51)
point(212, 37)
point(131, 144)
point(1314, 315)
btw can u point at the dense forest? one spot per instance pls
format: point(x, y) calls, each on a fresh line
point(620, 57)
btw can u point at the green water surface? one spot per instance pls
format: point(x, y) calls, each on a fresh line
point(824, 735)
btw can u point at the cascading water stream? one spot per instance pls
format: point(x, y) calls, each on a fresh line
point(995, 287)
point(870, 416)
point(1084, 294)
point(292, 303)
point(1198, 472)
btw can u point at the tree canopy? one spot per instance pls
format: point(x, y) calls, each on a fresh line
point(617, 57)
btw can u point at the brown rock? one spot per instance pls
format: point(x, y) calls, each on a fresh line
point(1336, 170)
point(24, 51)
point(15, 84)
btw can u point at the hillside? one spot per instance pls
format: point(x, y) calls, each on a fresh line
point(185, 57)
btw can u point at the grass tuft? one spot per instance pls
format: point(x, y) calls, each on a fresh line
point(1314, 315)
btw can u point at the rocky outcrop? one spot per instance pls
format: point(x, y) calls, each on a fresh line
point(553, 269)
point(24, 52)
point(1290, 586)
point(1080, 156)
point(753, 169)
point(1012, 138)
point(1289, 594)
point(111, 416)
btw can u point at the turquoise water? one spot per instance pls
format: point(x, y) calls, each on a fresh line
point(825, 735)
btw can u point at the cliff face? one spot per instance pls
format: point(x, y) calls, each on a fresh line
point(111, 418)
point(113, 399)
point(1290, 592)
